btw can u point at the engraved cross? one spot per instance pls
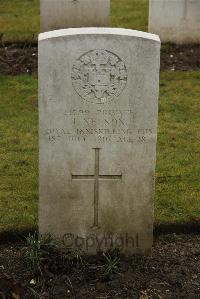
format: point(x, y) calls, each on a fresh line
point(96, 177)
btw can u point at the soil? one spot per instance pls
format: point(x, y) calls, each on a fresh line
point(172, 271)
point(18, 59)
point(180, 58)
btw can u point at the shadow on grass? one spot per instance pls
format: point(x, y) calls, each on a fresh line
point(192, 227)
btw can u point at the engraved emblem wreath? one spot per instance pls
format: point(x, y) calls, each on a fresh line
point(98, 76)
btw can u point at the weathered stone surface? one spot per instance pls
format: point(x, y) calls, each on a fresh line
point(58, 14)
point(176, 21)
point(98, 92)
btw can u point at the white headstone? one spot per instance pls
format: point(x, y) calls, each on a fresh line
point(176, 21)
point(58, 14)
point(98, 105)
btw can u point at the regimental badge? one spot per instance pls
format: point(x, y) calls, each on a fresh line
point(98, 76)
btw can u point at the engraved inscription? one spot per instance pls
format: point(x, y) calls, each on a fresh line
point(96, 177)
point(99, 126)
point(98, 76)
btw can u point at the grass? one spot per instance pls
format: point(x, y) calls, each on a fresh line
point(178, 154)
point(18, 152)
point(177, 174)
point(132, 14)
point(19, 19)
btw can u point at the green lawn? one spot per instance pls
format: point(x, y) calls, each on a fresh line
point(178, 154)
point(132, 14)
point(19, 19)
point(18, 152)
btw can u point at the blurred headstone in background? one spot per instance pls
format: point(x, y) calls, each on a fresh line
point(58, 14)
point(175, 21)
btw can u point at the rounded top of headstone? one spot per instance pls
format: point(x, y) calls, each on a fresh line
point(98, 31)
